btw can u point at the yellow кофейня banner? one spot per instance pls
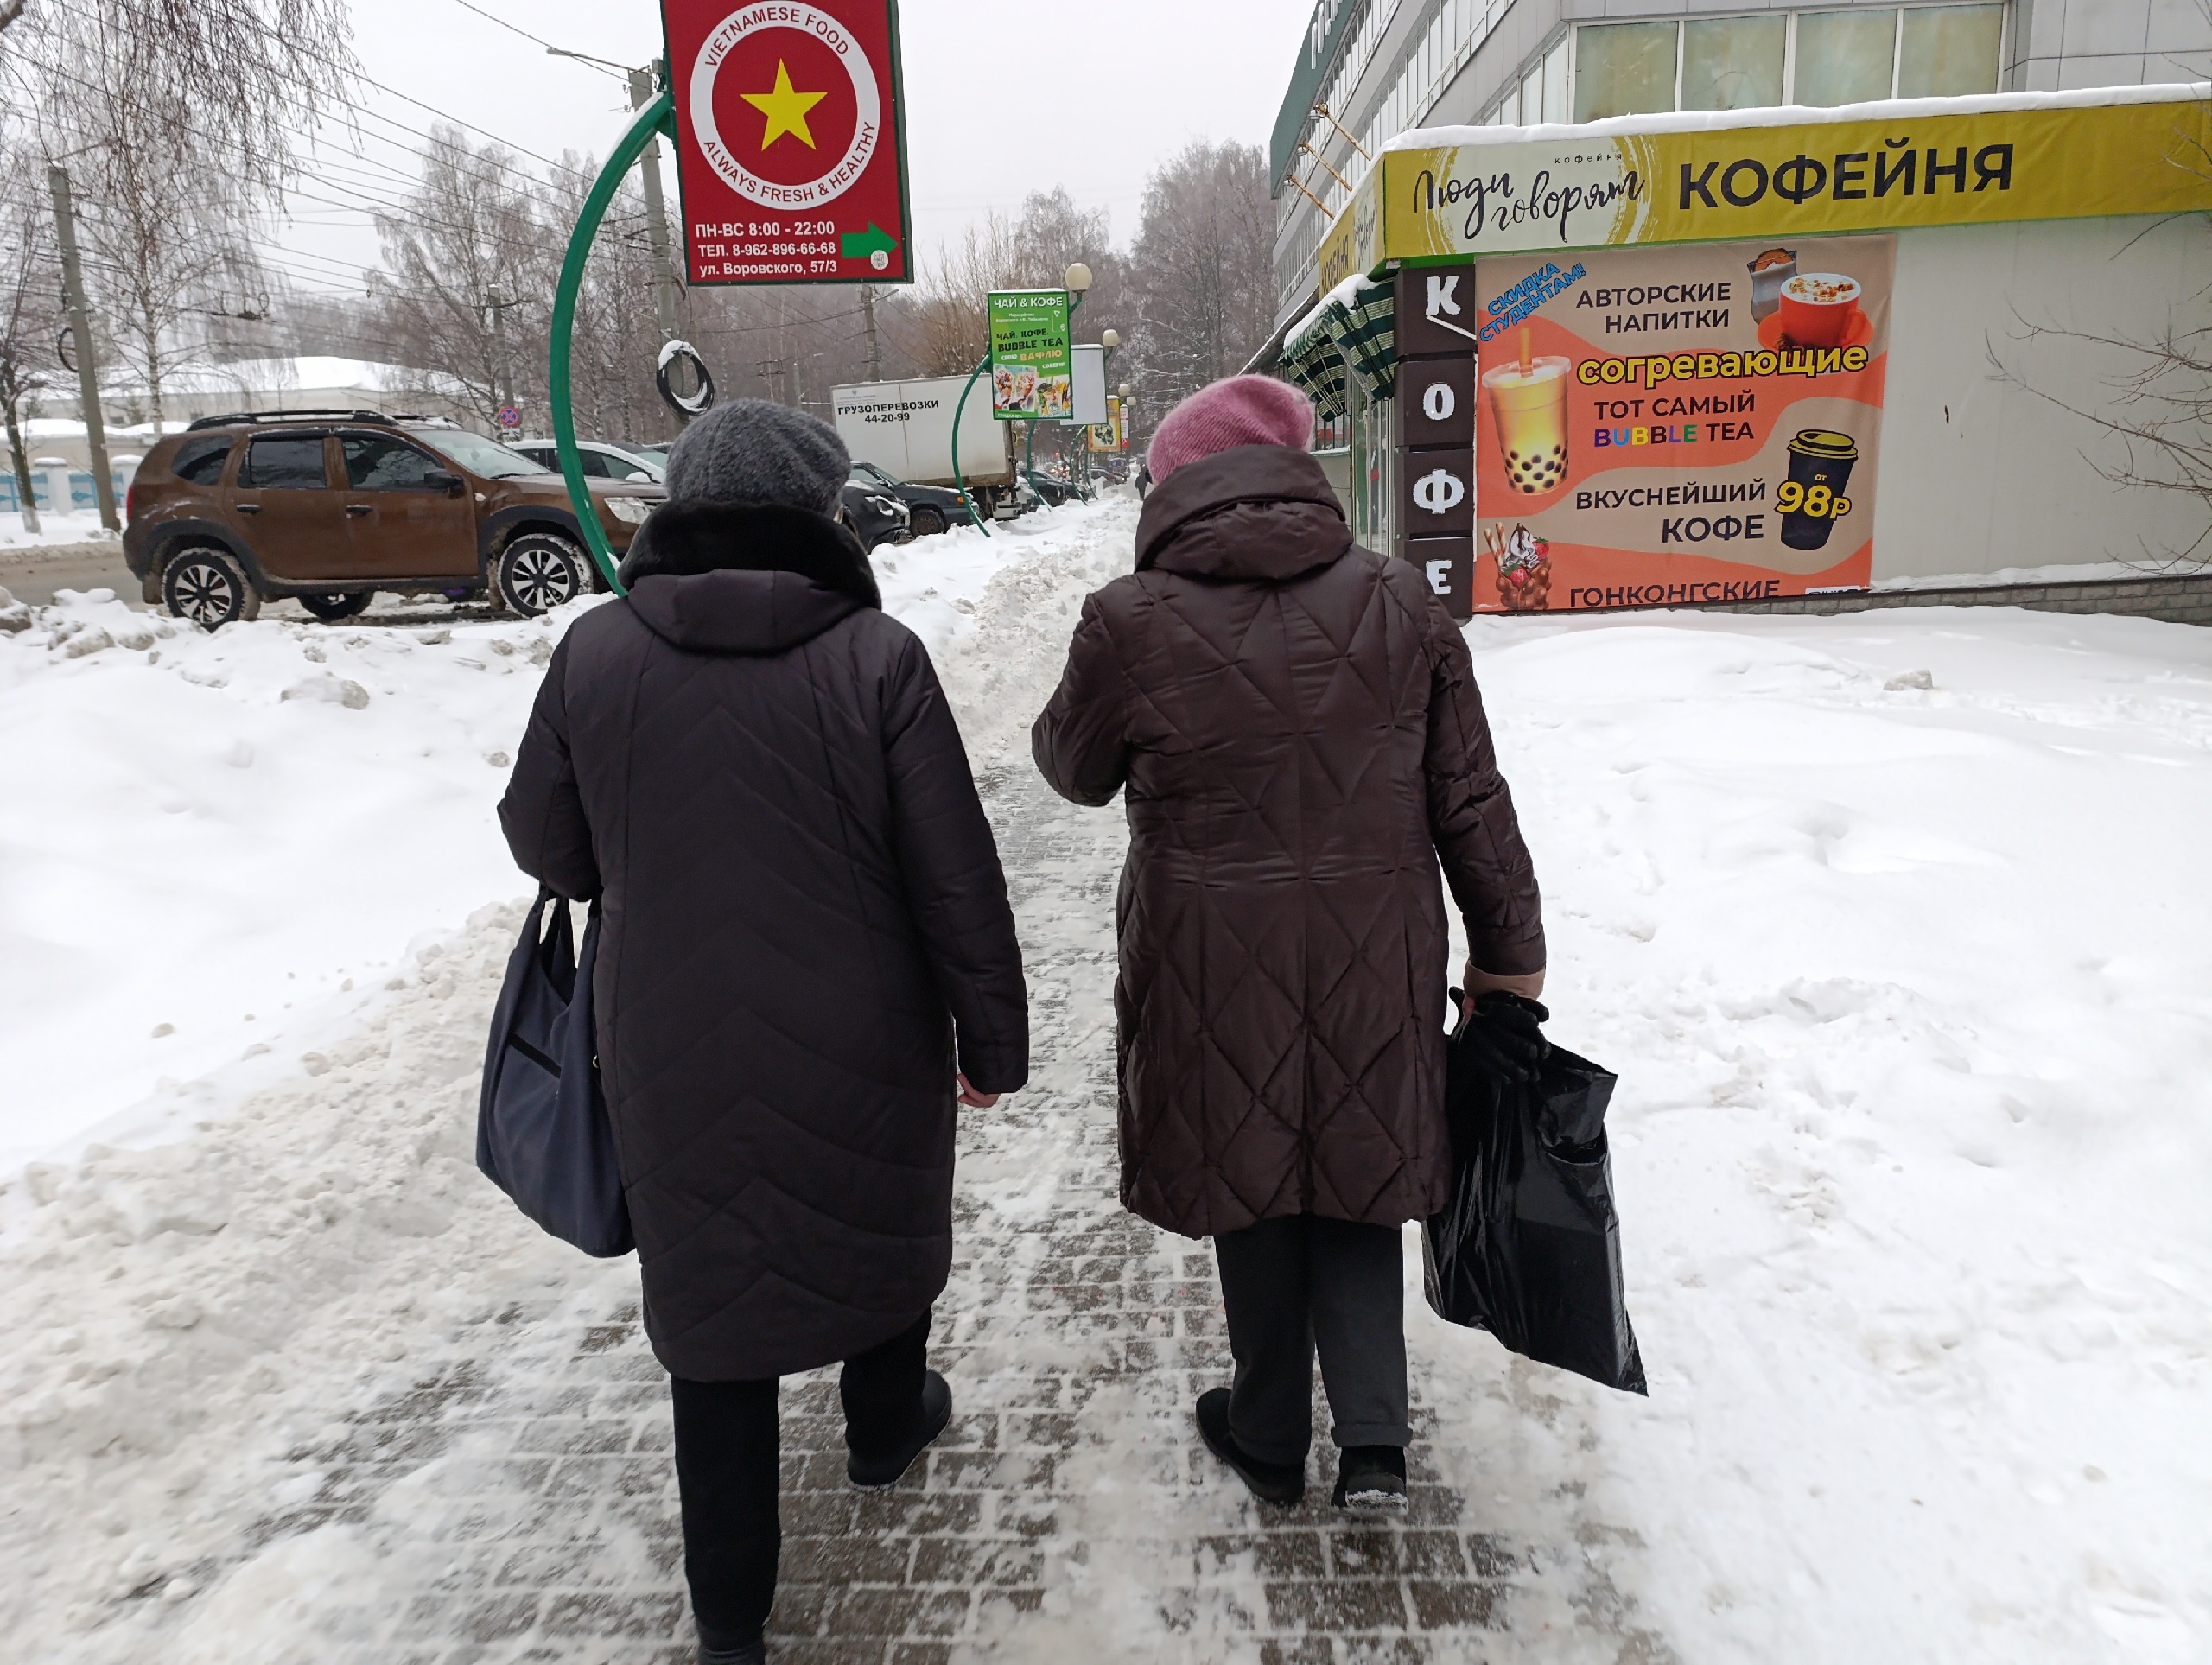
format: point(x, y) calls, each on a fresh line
point(1910, 163)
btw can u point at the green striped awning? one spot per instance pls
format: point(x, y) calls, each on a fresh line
point(1350, 333)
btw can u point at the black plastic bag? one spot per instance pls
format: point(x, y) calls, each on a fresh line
point(543, 1134)
point(1528, 1248)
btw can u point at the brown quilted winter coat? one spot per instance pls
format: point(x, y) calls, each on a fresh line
point(1295, 722)
point(805, 917)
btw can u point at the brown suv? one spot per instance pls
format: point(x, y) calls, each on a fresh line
point(331, 507)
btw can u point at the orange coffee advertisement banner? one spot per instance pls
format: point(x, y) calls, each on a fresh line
point(1663, 426)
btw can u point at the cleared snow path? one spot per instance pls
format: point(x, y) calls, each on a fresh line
point(1911, 995)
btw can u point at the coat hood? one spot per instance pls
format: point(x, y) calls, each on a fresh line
point(744, 578)
point(1258, 512)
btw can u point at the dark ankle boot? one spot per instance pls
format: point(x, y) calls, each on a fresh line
point(755, 1655)
point(1371, 1477)
point(874, 1472)
point(1271, 1483)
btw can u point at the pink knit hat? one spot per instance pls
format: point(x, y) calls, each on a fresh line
point(1242, 411)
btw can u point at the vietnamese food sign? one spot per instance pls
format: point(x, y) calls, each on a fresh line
point(1664, 426)
point(790, 141)
point(1949, 161)
point(1032, 362)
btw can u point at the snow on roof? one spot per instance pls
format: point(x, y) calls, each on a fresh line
point(311, 372)
point(1696, 121)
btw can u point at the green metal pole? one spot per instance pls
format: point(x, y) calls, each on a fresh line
point(959, 479)
point(657, 117)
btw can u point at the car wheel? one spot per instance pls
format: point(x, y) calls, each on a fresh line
point(335, 604)
point(207, 586)
point(540, 571)
point(927, 522)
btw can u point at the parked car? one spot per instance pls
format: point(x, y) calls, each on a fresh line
point(331, 507)
point(600, 460)
point(873, 514)
point(930, 509)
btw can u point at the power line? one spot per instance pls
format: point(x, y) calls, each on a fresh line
point(558, 52)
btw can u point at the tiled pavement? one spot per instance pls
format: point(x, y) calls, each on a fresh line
point(520, 1504)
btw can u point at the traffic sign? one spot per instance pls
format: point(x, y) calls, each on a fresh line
point(790, 141)
point(509, 416)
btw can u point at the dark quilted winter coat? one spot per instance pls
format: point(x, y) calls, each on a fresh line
point(1295, 724)
point(758, 772)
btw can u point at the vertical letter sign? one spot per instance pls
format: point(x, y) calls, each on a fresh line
point(790, 141)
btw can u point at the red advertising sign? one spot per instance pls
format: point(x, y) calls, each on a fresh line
point(790, 129)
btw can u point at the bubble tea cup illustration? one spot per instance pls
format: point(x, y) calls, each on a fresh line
point(1528, 399)
point(1812, 499)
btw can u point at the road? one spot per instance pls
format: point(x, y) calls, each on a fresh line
point(32, 573)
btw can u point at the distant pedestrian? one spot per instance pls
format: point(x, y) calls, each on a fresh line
point(1295, 722)
point(807, 952)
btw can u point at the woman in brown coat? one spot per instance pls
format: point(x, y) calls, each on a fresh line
point(1295, 724)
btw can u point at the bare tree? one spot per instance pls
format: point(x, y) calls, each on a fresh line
point(246, 79)
point(1201, 271)
point(469, 268)
point(950, 328)
point(164, 231)
point(29, 311)
point(2160, 413)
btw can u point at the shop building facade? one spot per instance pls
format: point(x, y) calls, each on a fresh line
point(2005, 290)
point(1380, 67)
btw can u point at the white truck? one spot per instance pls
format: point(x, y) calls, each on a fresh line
point(906, 428)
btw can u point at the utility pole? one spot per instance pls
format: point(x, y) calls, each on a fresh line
point(874, 348)
point(497, 308)
point(641, 94)
point(88, 377)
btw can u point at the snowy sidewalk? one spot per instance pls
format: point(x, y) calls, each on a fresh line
point(1893, 928)
point(518, 1501)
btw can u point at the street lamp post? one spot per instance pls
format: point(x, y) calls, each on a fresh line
point(1076, 279)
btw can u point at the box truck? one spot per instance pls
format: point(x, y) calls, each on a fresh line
point(906, 428)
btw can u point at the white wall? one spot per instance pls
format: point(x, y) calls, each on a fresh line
point(1979, 475)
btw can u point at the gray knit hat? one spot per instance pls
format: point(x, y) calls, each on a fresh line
point(755, 451)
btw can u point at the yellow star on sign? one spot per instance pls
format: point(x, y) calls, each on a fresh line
point(785, 109)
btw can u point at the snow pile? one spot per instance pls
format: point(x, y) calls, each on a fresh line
point(207, 841)
point(1894, 931)
point(1892, 925)
point(214, 850)
point(56, 530)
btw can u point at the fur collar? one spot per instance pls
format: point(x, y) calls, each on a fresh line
point(685, 539)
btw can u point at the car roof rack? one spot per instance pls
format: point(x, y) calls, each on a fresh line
point(287, 415)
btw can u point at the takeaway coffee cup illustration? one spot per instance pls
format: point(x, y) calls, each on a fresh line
point(1817, 307)
point(1770, 272)
point(1812, 499)
point(1529, 401)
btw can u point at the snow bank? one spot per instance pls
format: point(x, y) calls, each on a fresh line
point(1894, 930)
point(208, 841)
point(72, 527)
point(215, 850)
point(1891, 924)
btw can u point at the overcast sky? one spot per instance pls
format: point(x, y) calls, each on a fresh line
point(1003, 98)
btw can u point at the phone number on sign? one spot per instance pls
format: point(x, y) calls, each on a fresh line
point(761, 250)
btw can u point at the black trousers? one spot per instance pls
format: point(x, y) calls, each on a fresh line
point(1300, 1284)
point(727, 1456)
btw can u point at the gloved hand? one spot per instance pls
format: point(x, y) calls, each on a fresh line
point(1502, 1034)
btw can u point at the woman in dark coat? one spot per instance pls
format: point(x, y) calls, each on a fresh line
point(806, 951)
point(1295, 724)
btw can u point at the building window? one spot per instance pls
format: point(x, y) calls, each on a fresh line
point(1818, 58)
point(1625, 69)
point(1849, 57)
point(1733, 63)
point(1948, 49)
